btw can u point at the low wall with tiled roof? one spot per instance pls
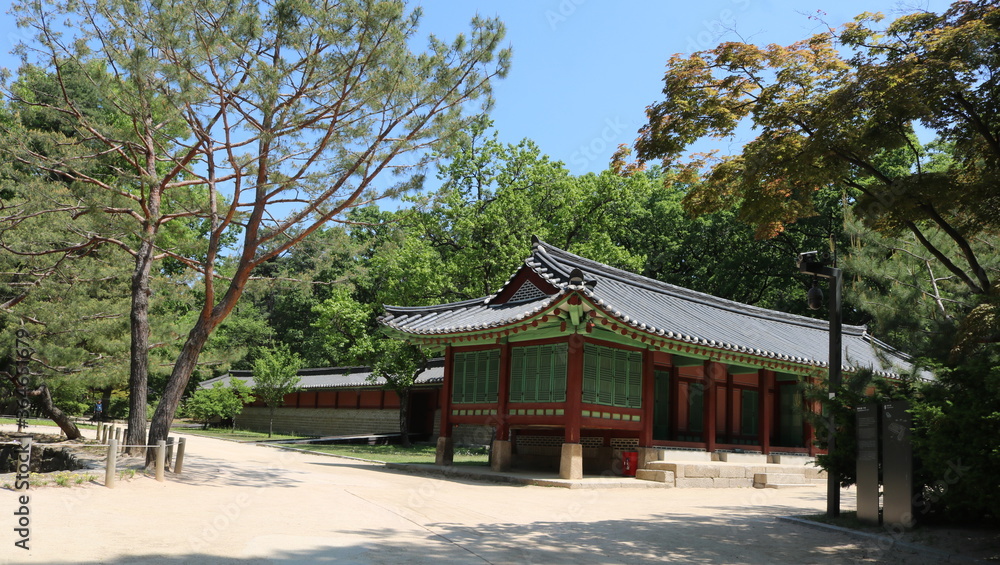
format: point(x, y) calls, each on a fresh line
point(325, 421)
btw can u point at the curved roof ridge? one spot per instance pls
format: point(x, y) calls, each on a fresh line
point(433, 307)
point(556, 254)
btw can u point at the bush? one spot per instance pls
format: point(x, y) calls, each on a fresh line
point(956, 428)
point(74, 408)
point(956, 423)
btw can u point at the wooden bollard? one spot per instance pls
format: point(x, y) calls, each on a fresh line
point(118, 436)
point(109, 472)
point(99, 433)
point(161, 452)
point(104, 433)
point(179, 464)
point(170, 452)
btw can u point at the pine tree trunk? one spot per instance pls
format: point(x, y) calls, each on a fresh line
point(404, 416)
point(55, 414)
point(105, 400)
point(138, 378)
point(186, 362)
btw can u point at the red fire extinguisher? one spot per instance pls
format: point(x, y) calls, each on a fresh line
point(630, 460)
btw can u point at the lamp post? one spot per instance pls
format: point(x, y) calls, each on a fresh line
point(811, 263)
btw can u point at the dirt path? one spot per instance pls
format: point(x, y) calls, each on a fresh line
point(238, 503)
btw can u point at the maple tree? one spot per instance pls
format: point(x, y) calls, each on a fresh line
point(828, 109)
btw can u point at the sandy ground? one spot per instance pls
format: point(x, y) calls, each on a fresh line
point(239, 503)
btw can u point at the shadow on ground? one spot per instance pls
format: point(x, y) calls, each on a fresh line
point(665, 538)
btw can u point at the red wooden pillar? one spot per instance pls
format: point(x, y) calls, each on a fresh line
point(729, 408)
point(574, 388)
point(648, 398)
point(765, 409)
point(708, 419)
point(449, 368)
point(675, 401)
point(815, 408)
point(503, 394)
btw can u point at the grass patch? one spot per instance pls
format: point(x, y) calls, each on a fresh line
point(400, 454)
point(43, 422)
point(238, 435)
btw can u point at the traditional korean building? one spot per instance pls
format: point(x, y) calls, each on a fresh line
point(572, 360)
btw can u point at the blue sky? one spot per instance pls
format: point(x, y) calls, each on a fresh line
point(584, 70)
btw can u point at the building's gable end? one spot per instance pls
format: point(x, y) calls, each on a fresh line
point(525, 286)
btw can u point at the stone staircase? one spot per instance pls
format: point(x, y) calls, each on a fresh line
point(692, 469)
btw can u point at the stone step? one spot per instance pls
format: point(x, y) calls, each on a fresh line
point(815, 473)
point(658, 476)
point(684, 456)
point(716, 482)
point(802, 460)
point(780, 480)
point(744, 458)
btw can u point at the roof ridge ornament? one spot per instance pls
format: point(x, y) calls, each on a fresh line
point(537, 244)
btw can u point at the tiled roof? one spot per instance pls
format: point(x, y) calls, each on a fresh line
point(657, 309)
point(339, 377)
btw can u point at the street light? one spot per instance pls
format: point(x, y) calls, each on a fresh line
point(813, 264)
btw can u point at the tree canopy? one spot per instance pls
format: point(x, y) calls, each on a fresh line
point(826, 111)
point(283, 116)
point(840, 110)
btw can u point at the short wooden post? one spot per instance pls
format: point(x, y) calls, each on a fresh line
point(161, 452)
point(170, 452)
point(109, 472)
point(104, 433)
point(124, 440)
point(118, 436)
point(99, 433)
point(179, 464)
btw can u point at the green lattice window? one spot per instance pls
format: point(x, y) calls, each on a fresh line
point(475, 376)
point(749, 412)
point(538, 373)
point(612, 377)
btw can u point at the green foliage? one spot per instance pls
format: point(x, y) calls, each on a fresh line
point(295, 110)
point(861, 388)
point(915, 304)
point(74, 408)
point(275, 375)
point(956, 427)
point(496, 196)
point(220, 401)
point(838, 110)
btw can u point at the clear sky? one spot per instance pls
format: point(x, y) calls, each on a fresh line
point(584, 70)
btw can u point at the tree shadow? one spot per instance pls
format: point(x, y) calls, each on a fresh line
point(666, 538)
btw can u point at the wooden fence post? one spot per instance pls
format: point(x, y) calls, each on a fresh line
point(109, 473)
point(179, 464)
point(170, 453)
point(161, 452)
